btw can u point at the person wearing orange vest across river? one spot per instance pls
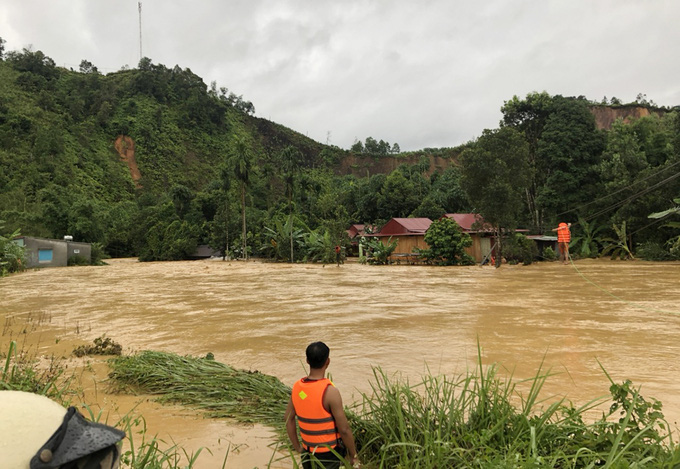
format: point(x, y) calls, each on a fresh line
point(563, 239)
point(327, 440)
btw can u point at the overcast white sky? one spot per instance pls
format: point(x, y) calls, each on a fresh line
point(422, 74)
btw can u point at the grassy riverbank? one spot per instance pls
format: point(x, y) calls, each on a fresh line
point(476, 419)
point(472, 420)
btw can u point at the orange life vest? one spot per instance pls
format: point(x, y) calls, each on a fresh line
point(317, 425)
point(563, 234)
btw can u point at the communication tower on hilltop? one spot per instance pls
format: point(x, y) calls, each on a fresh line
point(139, 6)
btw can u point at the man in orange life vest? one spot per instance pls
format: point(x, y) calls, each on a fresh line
point(563, 239)
point(317, 404)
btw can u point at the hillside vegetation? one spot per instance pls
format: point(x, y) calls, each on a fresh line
point(152, 162)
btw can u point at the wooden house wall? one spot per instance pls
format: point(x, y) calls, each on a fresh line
point(405, 244)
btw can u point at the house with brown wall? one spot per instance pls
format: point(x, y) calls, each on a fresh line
point(481, 233)
point(410, 233)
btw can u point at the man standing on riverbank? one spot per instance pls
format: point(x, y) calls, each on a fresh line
point(563, 240)
point(317, 404)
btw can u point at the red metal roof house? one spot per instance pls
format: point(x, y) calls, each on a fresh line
point(408, 232)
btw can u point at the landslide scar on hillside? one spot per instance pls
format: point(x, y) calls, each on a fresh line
point(125, 147)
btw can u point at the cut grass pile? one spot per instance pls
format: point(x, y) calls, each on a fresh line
point(216, 388)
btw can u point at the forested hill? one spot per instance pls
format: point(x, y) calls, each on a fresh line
point(152, 162)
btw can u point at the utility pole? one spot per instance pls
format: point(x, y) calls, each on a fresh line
point(139, 6)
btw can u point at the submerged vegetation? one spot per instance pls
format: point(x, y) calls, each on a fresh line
point(473, 420)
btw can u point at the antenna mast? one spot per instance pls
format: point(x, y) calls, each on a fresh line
point(139, 5)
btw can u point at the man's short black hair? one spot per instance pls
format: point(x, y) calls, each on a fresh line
point(317, 354)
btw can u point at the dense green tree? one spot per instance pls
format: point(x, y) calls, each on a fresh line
point(367, 193)
point(529, 116)
point(564, 150)
point(397, 196)
point(446, 243)
point(495, 175)
point(86, 221)
point(429, 208)
point(447, 192)
point(586, 241)
point(568, 156)
point(60, 173)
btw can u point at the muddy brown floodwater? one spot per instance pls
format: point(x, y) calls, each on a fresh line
point(260, 316)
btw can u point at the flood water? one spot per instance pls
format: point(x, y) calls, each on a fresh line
point(407, 319)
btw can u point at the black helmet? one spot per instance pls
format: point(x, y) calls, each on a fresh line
point(76, 443)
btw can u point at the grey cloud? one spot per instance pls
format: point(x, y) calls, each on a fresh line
point(418, 73)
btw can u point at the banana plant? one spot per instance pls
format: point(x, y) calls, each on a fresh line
point(587, 243)
point(618, 247)
point(319, 246)
point(380, 252)
point(279, 236)
point(12, 256)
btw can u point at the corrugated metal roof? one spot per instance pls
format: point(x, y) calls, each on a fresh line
point(405, 226)
point(466, 220)
point(543, 237)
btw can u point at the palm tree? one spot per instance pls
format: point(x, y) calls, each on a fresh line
point(242, 160)
point(291, 158)
point(225, 179)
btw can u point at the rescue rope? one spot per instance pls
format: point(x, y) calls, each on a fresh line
point(637, 305)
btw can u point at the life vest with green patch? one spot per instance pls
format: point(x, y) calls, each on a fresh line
point(317, 426)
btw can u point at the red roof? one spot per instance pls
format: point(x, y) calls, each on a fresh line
point(405, 227)
point(466, 220)
point(358, 229)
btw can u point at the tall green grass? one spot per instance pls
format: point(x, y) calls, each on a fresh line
point(477, 419)
point(19, 373)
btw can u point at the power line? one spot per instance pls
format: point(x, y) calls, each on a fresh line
point(634, 196)
point(139, 5)
point(620, 190)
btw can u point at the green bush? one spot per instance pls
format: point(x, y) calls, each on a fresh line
point(446, 243)
point(651, 251)
point(12, 256)
point(78, 260)
point(549, 254)
point(98, 254)
point(518, 248)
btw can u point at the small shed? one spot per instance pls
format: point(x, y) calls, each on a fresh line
point(43, 252)
point(544, 241)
